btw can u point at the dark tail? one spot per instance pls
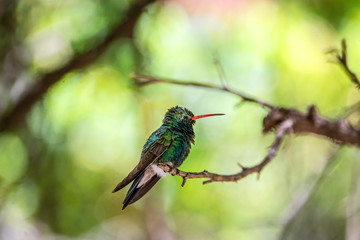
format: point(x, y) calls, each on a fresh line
point(136, 192)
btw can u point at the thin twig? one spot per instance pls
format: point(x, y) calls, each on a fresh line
point(221, 73)
point(283, 129)
point(142, 80)
point(350, 110)
point(341, 59)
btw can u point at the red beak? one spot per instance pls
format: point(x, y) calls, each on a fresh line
point(206, 115)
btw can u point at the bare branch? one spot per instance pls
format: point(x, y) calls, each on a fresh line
point(143, 80)
point(311, 122)
point(341, 59)
point(283, 128)
point(82, 60)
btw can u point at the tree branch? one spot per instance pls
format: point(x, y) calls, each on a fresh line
point(143, 80)
point(283, 128)
point(82, 60)
point(341, 59)
point(311, 122)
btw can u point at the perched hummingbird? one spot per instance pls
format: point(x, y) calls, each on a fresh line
point(170, 144)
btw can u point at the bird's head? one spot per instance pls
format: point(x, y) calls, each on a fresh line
point(181, 117)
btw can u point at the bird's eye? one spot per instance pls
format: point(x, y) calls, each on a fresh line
point(185, 117)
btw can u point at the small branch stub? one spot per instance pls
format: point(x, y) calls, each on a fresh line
point(342, 59)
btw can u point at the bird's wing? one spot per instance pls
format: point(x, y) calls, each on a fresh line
point(153, 150)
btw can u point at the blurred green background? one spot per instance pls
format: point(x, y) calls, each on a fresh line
point(58, 168)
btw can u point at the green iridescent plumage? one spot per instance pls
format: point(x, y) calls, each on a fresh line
point(170, 144)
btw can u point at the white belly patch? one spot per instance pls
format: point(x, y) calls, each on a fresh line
point(159, 172)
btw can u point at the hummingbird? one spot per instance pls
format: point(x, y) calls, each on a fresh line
point(170, 144)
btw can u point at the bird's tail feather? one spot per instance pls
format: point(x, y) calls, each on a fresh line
point(136, 192)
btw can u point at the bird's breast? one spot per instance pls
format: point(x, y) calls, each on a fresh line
point(177, 151)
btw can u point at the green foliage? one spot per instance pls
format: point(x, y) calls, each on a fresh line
point(13, 159)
